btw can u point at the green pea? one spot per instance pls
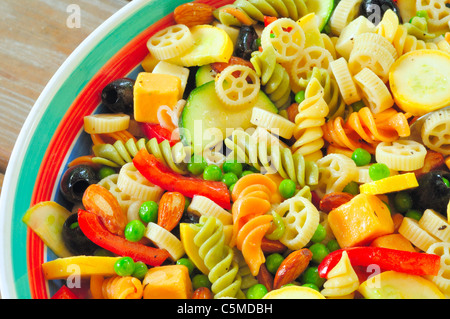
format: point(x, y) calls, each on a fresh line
point(124, 266)
point(351, 188)
point(311, 276)
point(231, 187)
point(446, 181)
point(280, 228)
point(247, 172)
point(379, 171)
point(140, 270)
point(319, 234)
point(273, 261)
point(319, 252)
point(134, 230)
point(414, 214)
point(212, 173)
point(232, 166)
point(200, 280)
point(312, 286)
point(106, 171)
point(361, 157)
point(287, 188)
point(188, 263)
point(148, 212)
point(332, 245)
point(403, 202)
point(256, 291)
point(300, 97)
point(229, 179)
point(197, 164)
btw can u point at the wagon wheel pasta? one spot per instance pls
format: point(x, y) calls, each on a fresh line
point(435, 132)
point(170, 42)
point(401, 155)
point(438, 13)
point(287, 38)
point(234, 91)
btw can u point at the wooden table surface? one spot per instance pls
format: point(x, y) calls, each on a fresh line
point(36, 37)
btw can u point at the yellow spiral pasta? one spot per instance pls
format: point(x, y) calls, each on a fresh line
point(435, 131)
point(131, 182)
point(335, 172)
point(442, 279)
point(218, 258)
point(342, 279)
point(332, 92)
point(300, 218)
point(312, 112)
point(401, 155)
point(119, 153)
point(255, 10)
point(118, 287)
point(274, 77)
point(270, 156)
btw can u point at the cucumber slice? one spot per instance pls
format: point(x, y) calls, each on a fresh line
point(205, 119)
point(323, 10)
point(204, 74)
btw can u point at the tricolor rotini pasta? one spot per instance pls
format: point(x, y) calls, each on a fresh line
point(279, 150)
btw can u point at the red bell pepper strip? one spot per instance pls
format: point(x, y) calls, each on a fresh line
point(159, 174)
point(91, 225)
point(268, 20)
point(64, 293)
point(158, 132)
point(413, 263)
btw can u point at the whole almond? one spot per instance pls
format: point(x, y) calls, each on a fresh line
point(292, 267)
point(193, 13)
point(334, 200)
point(265, 277)
point(269, 246)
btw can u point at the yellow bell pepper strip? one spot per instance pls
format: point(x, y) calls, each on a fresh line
point(159, 174)
point(91, 225)
point(413, 263)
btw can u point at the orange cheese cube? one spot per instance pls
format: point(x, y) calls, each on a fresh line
point(359, 221)
point(153, 90)
point(167, 282)
point(393, 241)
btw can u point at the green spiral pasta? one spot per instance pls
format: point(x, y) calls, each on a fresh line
point(255, 10)
point(332, 94)
point(271, 156)
point(274, 77)
point(218, 258)
point(119, 153)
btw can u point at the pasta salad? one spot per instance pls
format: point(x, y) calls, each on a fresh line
point(267, 149)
